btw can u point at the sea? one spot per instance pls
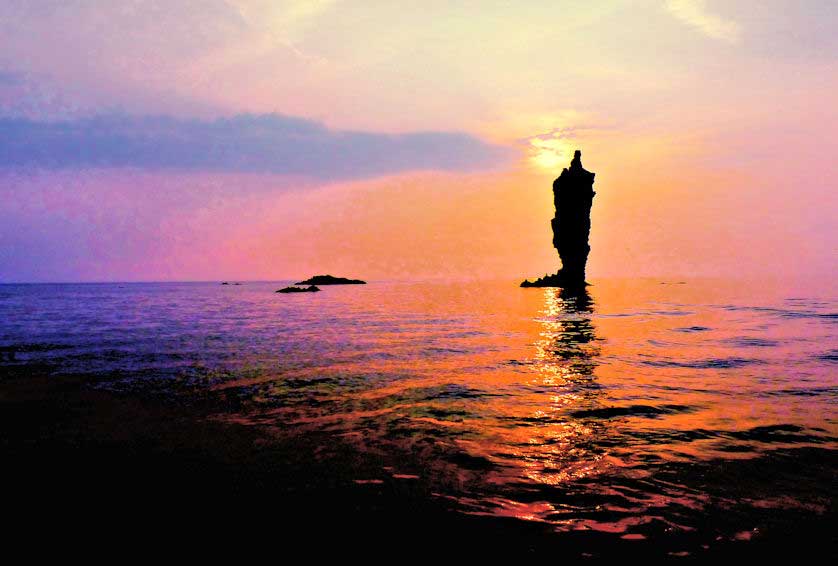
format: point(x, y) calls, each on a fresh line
point(636, 409)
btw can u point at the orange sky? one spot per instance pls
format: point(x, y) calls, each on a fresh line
point(711, 126)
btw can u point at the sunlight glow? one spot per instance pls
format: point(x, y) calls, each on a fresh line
point(550, 152)
point(695, 14)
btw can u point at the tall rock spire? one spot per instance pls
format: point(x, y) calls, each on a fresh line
point(573, 195)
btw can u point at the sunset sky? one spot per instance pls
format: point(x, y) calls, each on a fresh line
point(257, 139)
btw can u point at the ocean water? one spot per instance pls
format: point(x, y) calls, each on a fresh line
point(641, 408)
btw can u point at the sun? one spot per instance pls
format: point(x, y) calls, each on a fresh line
point(550, 153)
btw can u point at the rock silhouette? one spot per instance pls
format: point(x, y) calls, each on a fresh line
point(330, 280)
point(309, 289)
point(573, 195)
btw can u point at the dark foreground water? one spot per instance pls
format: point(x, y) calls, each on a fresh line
point(700, 412)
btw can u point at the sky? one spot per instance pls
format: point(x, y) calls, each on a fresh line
point(262, 139)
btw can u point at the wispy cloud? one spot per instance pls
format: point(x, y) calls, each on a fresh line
point(694, 13)
point(272, 24)
point(266, 143)
point(10, 78)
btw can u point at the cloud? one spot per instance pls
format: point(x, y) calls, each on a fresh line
point(263, 143)
point(286, 19)
point(695, 14)
point(10, 78)
point(789, 29)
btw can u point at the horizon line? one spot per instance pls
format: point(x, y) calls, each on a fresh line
point(386, 279)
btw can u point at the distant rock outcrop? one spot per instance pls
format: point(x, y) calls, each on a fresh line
point(329, 280)
point(573, 195)
point(309, 289)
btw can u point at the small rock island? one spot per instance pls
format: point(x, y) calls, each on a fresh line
point(573, 196)
point(309, 289)
point(330, 280)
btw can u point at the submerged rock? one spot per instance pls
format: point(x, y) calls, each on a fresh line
point(309, 289)
point(329, 280)
point(573, 195)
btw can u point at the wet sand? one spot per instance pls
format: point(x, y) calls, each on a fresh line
point(165, 474)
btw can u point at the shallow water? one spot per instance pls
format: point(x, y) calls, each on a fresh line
point(642, 408)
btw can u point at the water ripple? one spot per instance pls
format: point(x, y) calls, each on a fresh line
point(590, 412)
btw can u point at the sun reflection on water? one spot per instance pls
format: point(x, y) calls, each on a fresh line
point(558, 445)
